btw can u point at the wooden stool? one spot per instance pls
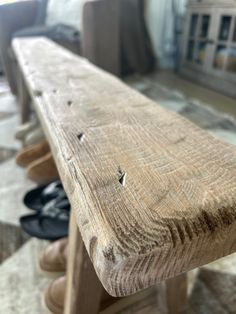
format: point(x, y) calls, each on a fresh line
point(152, 195)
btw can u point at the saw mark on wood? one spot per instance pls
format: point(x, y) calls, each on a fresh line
point(210, 221)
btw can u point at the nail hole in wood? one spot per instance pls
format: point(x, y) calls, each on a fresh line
point(122, 179)
point(81, 137)
point(69, 103)
point(38, 93)
point(122, 176)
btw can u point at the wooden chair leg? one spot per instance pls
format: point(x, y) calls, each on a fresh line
point(176, 294)
point(84, 290)
point(23, 98)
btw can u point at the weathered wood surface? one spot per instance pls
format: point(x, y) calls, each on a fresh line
point(177, 209)
point(23, 97)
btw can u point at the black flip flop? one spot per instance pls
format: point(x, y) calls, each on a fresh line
point(38, 197)
point(52, 223)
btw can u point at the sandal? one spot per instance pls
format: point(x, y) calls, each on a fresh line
point(38, 197)
point(51, 223)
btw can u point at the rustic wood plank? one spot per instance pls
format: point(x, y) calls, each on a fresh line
point(177, 208)
point(23, 97)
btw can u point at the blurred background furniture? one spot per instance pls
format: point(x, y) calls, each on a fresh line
point(110, 33)
point(209, 55)
point(40, 18)
point(1, 68)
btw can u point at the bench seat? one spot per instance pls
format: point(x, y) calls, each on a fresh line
point(153, 194)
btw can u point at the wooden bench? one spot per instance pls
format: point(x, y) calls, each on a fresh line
point(153, 195)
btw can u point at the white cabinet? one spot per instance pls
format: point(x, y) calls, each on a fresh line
point(209, 47)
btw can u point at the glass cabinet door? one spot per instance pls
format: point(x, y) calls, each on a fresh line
point(198, 38)
point(223, 57)
point(209, 47)
point(231, 62)
point(210, 42)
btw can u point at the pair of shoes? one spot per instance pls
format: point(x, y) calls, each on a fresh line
point(32, 153)
point(54, 259)
point(43, 170)
point(24, 129)
point(34, 137)
point(54, 295)
point(52, 212)
point(39, 162)
point(30, 133)
point(38, 197)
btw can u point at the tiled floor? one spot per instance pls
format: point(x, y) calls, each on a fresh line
point(212, 289)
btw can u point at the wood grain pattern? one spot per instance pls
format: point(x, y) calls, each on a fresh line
point(177, 209)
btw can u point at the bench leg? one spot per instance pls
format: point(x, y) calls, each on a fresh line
point(23, 98)
point(176, 294)
point(84, 290)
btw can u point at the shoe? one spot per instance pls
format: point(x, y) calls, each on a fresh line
point(51, 223)
point(32, 153)
point(24, 129)
point(43, 170)
point(36, 198)
point(53, 258)
point(54, 295)
point(34, 136)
